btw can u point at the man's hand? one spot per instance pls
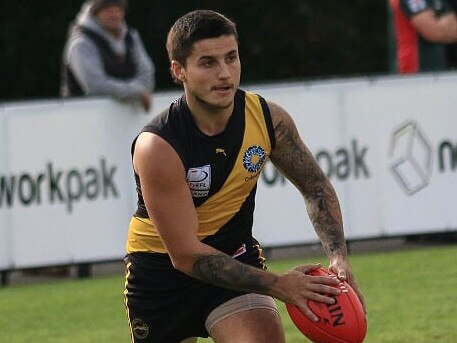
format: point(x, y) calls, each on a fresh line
point(145, 100)
point(341, 267)
point(297, 288)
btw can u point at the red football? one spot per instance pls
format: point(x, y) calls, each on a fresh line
point(342, 322)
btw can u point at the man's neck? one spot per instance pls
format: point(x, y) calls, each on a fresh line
point(209, 119)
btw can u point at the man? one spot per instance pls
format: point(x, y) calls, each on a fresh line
point(193, 267)
point(103, 56)
point(422, 29)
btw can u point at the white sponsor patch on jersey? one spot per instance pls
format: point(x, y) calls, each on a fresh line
point(199, 180)
point(417, 5)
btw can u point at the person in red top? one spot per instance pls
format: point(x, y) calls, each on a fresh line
point(422, 29)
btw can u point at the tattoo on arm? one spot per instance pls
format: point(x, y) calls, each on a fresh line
point(296, 162)
point(325, 213)
point(222, 270)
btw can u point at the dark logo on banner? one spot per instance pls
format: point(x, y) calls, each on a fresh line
point(342, 163)
point(345, 162)
point(411, 157)
point(58, 186)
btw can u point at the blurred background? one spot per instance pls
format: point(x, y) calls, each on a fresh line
point(279, 40)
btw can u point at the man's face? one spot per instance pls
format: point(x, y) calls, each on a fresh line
point(111, 18)
point(212, 71)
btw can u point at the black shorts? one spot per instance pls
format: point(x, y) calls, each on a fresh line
point(166, 306)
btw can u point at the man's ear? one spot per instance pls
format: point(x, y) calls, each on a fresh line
point(178, 71)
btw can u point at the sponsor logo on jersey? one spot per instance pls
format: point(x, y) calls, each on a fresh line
point(221, 151)
point(254, 158)
point(199, 180)
point(140, 329)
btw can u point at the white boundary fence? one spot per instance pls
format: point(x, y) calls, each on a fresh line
point(389, 146)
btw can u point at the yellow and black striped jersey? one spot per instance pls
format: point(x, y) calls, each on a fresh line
point(222, 172)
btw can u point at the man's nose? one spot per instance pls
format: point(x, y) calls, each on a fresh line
point(224, 72)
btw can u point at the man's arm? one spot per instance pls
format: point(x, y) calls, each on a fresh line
point(145, 75)
point(85, 62)
point(170, 207)
point(436, 29)
point(296, 162)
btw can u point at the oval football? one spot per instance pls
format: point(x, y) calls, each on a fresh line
point(342, 322)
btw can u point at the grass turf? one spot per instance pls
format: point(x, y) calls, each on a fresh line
point(411, 298)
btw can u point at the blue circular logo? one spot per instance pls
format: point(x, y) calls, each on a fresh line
point(253, 159)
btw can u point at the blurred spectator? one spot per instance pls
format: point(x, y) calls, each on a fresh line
point(422, 30)
point(104, 56)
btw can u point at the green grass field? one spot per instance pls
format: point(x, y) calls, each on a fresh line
point(411, 298)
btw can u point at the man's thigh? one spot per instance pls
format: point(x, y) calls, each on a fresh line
point(246, 319)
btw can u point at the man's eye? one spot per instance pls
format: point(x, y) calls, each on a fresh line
point(231, 58)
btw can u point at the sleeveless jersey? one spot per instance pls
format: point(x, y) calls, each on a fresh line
point(222, 172)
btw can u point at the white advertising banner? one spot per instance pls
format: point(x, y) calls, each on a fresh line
point(66, 187)
point(388, 146)
point(414, 155)
point(5, 227)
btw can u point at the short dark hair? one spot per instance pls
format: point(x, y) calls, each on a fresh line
point(195, 26)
